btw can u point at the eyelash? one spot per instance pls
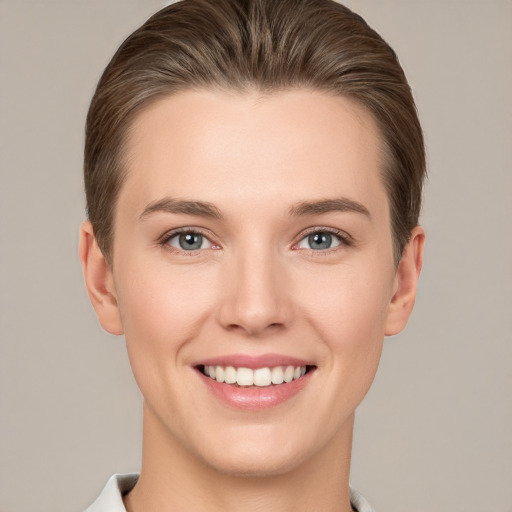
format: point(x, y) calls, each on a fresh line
point(164, 240)
point(345, 240)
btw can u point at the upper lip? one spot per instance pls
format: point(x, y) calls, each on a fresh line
point(253, 362)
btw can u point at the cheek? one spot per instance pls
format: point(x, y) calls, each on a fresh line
point(161, 309)
point(347, 301)
point(348, 311)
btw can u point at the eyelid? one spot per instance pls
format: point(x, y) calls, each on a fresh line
point(168, 235)
point(344, 238)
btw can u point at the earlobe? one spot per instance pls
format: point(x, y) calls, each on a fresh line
point(406, 281)
point(99, 281)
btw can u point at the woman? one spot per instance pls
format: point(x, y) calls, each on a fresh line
point(253, 173)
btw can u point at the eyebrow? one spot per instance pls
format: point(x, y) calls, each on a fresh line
point(206, 209)
point(328, 205)
point(187, 207)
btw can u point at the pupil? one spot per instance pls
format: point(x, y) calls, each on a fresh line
point(320, 240)
point(190, 241)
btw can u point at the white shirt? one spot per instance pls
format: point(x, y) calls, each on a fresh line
point(111, 498)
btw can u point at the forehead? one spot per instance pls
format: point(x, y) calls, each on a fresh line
point(281, 147)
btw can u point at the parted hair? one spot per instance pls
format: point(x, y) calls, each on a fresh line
point(268, 45)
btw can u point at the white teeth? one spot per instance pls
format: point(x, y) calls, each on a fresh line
point(230, 375)
point(288, 374)
point(277, 375)
point(244, 377)
point(219, 374)
point(260, 377)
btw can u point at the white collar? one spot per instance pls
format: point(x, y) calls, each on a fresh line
point(111, 498)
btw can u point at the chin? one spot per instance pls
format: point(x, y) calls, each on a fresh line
point(256, 454)
point(260, 465)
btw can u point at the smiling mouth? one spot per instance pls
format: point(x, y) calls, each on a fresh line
point(257, 377)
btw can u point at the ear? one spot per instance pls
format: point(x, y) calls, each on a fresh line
point(406, 280)
point(99, 281)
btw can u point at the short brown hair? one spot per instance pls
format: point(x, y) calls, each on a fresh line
point(268, 44)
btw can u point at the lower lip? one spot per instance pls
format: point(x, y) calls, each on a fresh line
point(254, 397)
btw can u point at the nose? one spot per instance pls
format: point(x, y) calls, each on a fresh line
point(256, 297)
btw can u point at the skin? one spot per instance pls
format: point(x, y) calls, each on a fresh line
point(255, 287)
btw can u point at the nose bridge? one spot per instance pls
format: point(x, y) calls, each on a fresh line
point(256, 295)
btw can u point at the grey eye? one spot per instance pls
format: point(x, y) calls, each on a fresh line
point(189, 241)
point(319, 241)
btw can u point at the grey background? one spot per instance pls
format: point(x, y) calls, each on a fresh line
point(434, 433)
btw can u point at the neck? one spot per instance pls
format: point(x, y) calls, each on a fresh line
point(172, 479)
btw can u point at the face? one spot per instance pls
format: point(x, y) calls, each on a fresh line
point(253, 245)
